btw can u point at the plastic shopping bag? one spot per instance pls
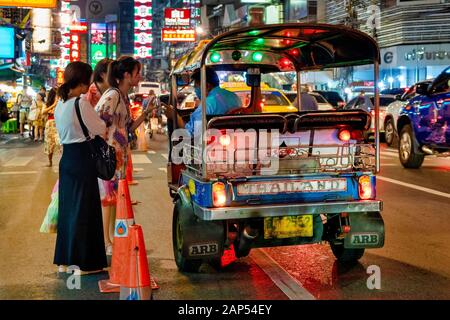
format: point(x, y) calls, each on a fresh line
point(50, 223)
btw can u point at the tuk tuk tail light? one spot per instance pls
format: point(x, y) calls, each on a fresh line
point(365, 189)
point(344, 135)
point(225, 140)
point(219, 194)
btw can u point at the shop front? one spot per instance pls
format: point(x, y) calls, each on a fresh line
point(402, 66)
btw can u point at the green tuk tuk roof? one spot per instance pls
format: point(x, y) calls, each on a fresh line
point(307, 46)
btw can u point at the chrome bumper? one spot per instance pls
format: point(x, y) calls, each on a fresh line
point(277, 210)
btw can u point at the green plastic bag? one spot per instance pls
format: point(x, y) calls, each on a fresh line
point(49, 225)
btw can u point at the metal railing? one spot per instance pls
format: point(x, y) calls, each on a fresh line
point(294, 159)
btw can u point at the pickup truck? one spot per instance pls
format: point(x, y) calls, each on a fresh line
point(423, 124)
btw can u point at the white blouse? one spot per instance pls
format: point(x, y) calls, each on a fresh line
point(69, 128)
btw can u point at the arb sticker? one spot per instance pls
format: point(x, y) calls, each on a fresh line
point(204, 249)
point(368, 239)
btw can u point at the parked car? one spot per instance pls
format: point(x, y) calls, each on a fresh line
point(318, 102)
point(332, 97)
point(423, 122)
point(394, 91)
point(145, 87)
point(393, 111)
point(366, 103)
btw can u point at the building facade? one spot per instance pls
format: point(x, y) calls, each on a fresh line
point(414, 36)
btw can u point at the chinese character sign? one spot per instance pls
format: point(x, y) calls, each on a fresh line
point(143, 28)
point(177, 17)
point(178, 35)
point(75, 47)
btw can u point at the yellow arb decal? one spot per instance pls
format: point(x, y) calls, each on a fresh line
point(288, 227)
point(191, 185)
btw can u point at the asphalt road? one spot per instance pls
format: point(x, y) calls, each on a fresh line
point(414, 263)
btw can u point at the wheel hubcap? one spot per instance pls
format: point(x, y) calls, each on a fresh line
point(405, 146)
point(389, 131)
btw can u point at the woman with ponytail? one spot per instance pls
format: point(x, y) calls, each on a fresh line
point(114, 108)
point(79, 239)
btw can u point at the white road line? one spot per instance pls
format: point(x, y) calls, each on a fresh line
point(389, 155)
point(17, 172)
point(140, 158)
point(163, 169)
point(151, 152)
point(413, 186)
point(390, 150)
point(165, 156)
point(18, 162)
point(282, 279)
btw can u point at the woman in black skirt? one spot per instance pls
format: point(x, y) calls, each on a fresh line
point(79, 240)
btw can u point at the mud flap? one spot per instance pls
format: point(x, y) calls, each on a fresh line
point(366, 231)
point(201, 239)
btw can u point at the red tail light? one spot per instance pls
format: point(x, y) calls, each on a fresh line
point(219, 194)
point(225, 140)
point(344, 135)
point(365, 188)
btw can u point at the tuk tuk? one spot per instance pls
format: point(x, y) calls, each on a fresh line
point(262, 179)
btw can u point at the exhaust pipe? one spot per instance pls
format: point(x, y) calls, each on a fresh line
point(245, 241)
point(427, 150)
point(250, 233)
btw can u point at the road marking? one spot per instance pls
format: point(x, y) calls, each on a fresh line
point(390, 150)
point(165, 156)
point(138, 169)
point(18, 162)
point(151, 152)
point(163, 169)
point(17, 172)
point(389, 155)
point(282, 279)
point(413, 186)
point(140, 158)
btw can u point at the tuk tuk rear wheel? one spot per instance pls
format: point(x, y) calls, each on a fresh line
point(183, 264)
point(346, 255)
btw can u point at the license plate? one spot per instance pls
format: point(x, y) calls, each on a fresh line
point(288, 227)
point(292, 186)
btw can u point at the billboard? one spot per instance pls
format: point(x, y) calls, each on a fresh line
point(7, 48)
point(28, 3)
point(177, 17)
point(41, 23)
point(103, 43)
point(178, 35)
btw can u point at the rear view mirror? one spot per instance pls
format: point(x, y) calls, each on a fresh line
point(422, 88)
point(253, 78)
point(183, 80)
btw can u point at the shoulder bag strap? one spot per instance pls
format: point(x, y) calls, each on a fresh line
point(83, 127)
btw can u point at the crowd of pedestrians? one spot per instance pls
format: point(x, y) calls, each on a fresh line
point(86, 210)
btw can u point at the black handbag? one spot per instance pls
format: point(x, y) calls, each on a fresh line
point(103, 154)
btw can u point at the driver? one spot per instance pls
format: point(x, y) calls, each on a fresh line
point(218, 101)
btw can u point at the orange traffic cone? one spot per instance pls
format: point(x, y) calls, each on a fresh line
point(124, 219)
point(136, 284)
point(129, 173)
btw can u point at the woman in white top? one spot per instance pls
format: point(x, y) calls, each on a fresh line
point(80, 232)
point(114, 108)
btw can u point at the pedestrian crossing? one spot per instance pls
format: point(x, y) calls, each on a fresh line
point(20, 161)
